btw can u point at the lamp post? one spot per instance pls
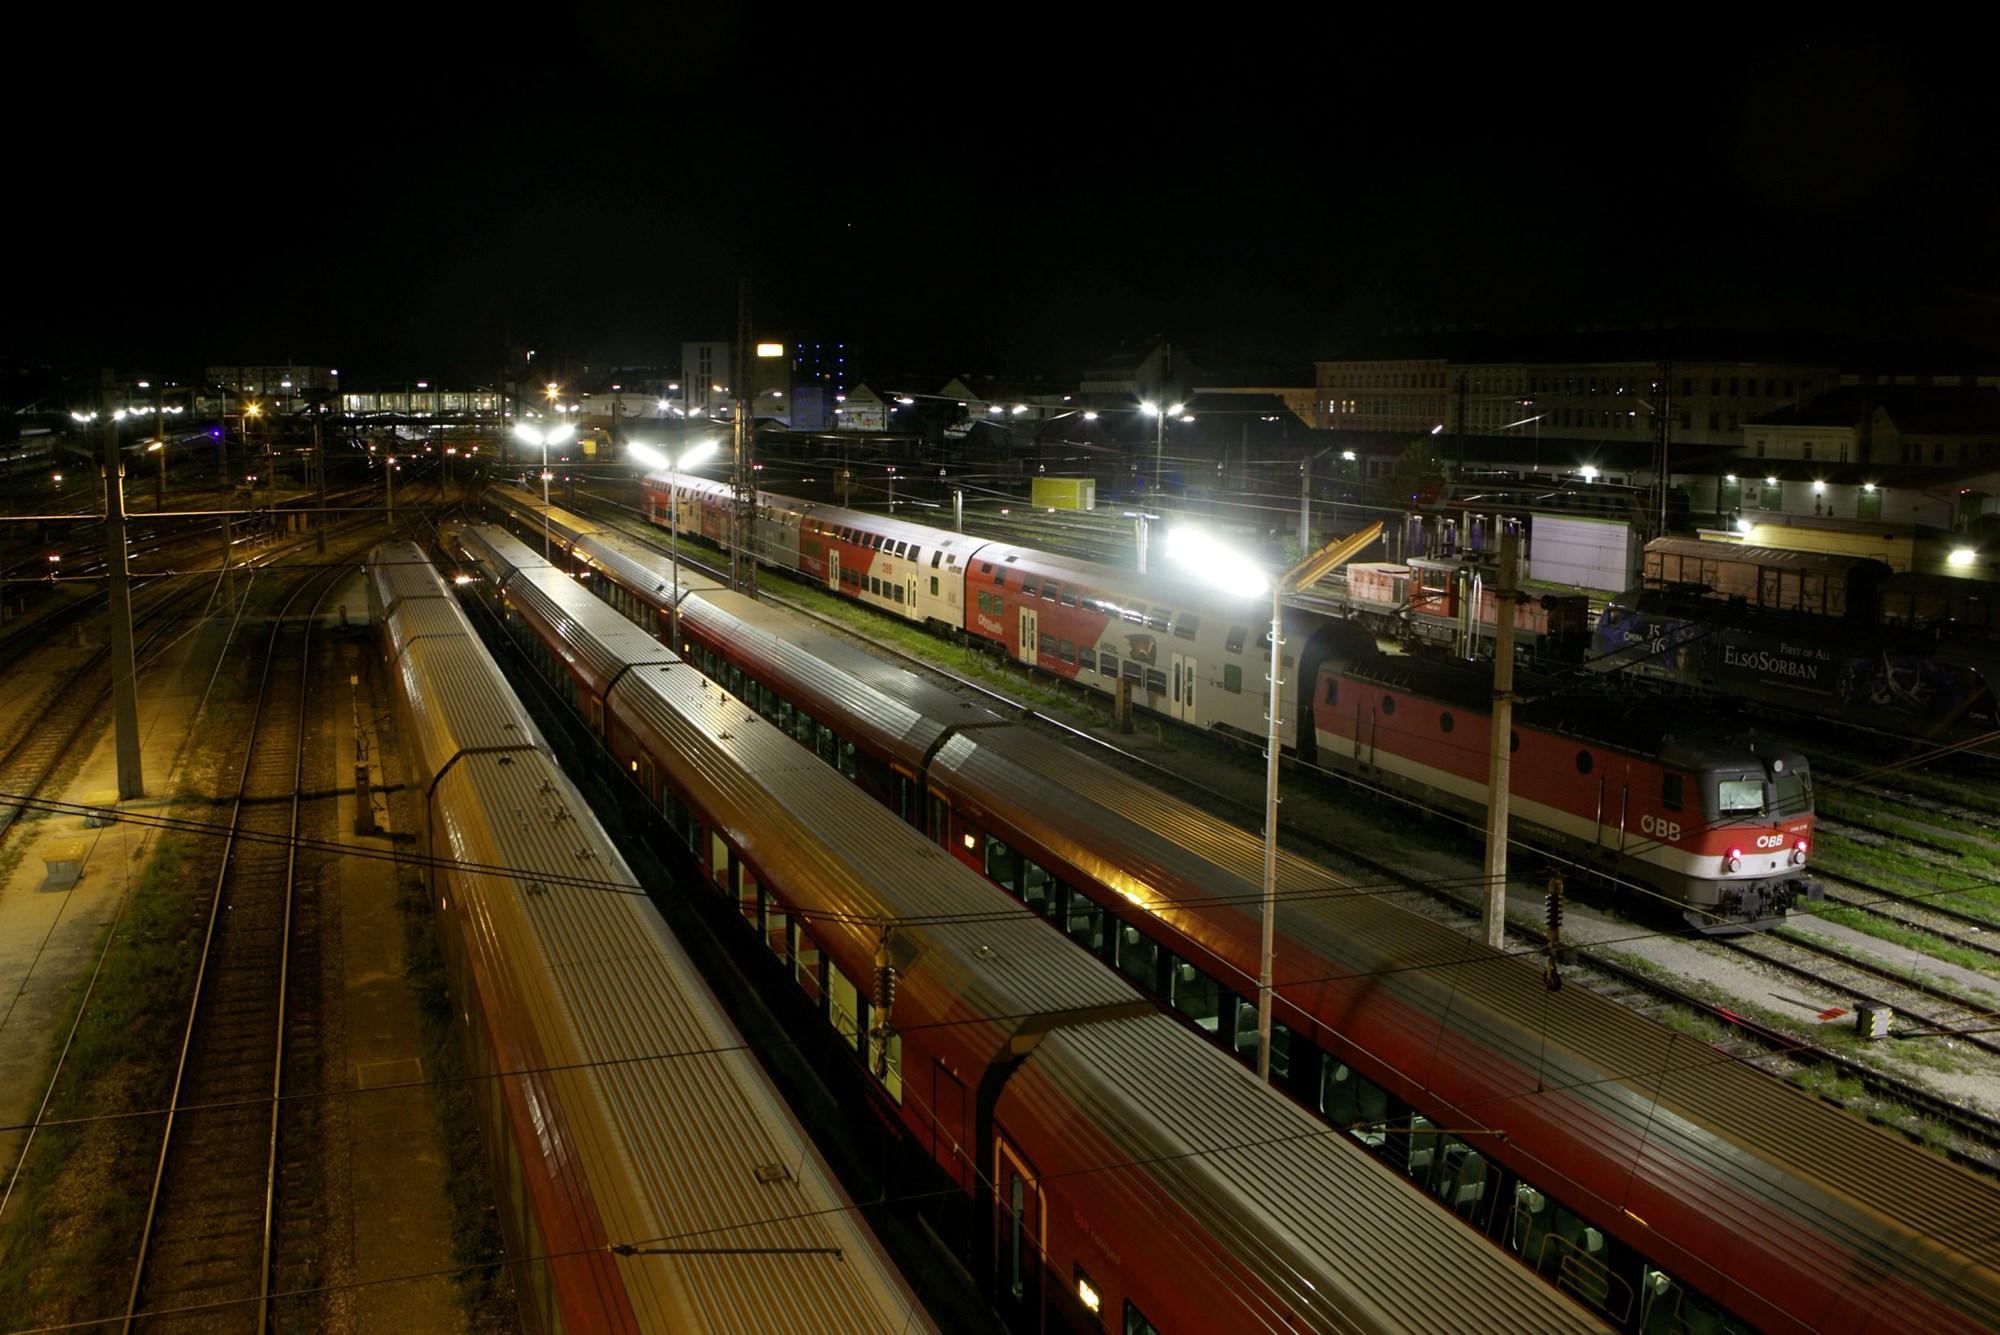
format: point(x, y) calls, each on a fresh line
point(1219, 566)
point(1222, 568)
point(1160, 416)
point(555, 435)
point(687, 458)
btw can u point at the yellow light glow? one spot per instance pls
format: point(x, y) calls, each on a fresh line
point(770, 349)
point(1088, 1295)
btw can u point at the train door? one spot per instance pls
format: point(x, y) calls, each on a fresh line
point(948, 1124)
point(1181, 688)
point(833, 568)
point(1028, 635)
point(1018, 1231)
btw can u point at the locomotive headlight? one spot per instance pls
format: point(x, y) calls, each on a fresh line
point(1798, 853)
point(1733, 862)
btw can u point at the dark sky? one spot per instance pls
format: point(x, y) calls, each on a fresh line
point(393, 193)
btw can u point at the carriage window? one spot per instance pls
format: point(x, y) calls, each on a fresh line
point(1186, 627)
point(1000, 579)
point(1138, 956)
point(1194, 994)
point(936, 556)
point(1087, 658)
point(1232, 678)
point(899, 593)
point(1084, 924)
point(805, 962)
point(1046, 644)
point(1740, 797)
point(902, 548)
point(1233, 642)
point(1156, 680)
point(1037, 887)
point(1136, 1323)
point(1030, 585)
point(934, 586)
point(843, 1003)
point(1088, 603)
point(1156, 618)
point(1584, 762)
point(1107, 664)
point(1388, 704)
point(1333, 690)
point(1794, 793)
point(1003, 865)
point(1135, 672)
point(1066, 652)
point(916, 553)
point(1069, 595)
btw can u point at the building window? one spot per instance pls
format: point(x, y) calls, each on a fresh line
point(1715, 421)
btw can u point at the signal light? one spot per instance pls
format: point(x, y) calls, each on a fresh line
point(1734, 862)
point(1799, 853)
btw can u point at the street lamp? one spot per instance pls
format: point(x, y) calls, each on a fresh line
point(555, 435)
point(1217, 565)
point(688, 457)
point(1159, 416)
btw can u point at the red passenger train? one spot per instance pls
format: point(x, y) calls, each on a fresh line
point(1110, 1168)
point(1667, 1189)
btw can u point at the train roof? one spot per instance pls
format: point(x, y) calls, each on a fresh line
point(1262, 1175)
point(636, 1072)
point(1707, 549)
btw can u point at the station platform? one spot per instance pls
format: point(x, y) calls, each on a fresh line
point(386, 1247)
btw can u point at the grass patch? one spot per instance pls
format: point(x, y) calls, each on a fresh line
point(1937, 948)
point(85, 1184)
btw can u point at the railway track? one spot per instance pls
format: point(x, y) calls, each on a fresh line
point(234, 1186)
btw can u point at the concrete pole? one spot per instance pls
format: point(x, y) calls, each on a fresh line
point(319, 462)
point(124, 683)
point(1500, 747)
point(1267, 934)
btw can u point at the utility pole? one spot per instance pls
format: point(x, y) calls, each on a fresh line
point(1500, 747)
point(160, 434)
point(319, 462)
point(743, 538)
point(222, 491)
point(124, 684)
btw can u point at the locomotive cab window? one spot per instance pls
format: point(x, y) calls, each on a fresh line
point(1794, 793)
point(1740, 797)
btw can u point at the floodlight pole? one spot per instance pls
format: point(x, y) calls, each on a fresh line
point(1267, 935)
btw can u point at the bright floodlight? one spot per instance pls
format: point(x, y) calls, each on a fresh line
point(1213, 563)
point(528, 433)
point(648, 456)
point(1961, 556)
point(695, 455)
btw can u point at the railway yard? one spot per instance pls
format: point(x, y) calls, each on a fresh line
point(258, 1021)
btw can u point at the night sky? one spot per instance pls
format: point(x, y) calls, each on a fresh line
point(396, 195)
